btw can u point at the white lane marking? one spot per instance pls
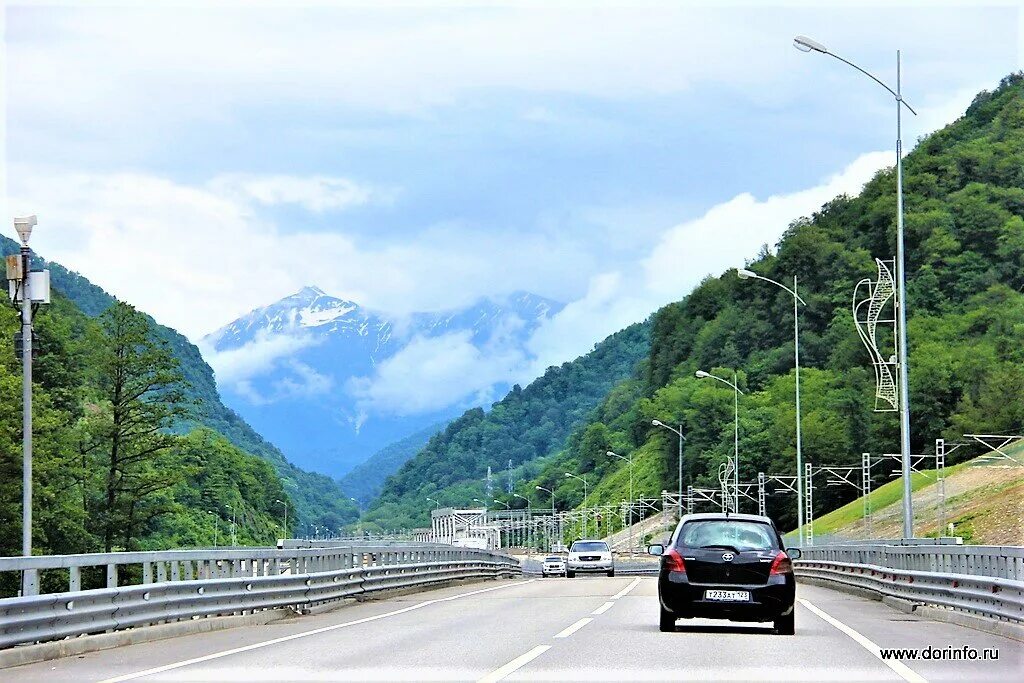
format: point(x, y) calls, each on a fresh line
point(628, 588)
point(569, 630)
point(904, 671)
point(603, 608)
point(294, 636)
point(516, 664)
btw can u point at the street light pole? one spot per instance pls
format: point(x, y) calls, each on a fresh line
point(23, 226)
point(630, 461)
point(584, 480)
point(745, 274)
point(679, 433)
point(700, 374)
point(285, 504)
point(805, 44)
point(552, 532)
point(234, 541)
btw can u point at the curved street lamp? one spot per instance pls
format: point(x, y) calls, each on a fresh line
point(679, 433)
point(584, 480)
point(805, 44)
point(745, 274)
point(285, 504)
point(630, 461)
point(700, 374)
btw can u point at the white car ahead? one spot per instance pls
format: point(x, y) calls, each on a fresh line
point(553, 565)
point(590, 556)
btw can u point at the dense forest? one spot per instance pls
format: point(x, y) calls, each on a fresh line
point(526, 424)
point(964, 192)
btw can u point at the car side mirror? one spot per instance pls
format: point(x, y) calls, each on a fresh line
point(657, 550)
point(794, 553)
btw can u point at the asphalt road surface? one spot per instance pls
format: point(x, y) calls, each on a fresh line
point(591, 628)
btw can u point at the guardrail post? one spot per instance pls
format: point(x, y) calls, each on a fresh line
point(112, 576)
point(175, 571)
point(74, 579)
point(147, 572)
point(161, 571)
point(30, 582)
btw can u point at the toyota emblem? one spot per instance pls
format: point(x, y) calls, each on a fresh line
point(728, 557)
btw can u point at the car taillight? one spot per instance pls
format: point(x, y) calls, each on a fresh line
point(674, 561)
point(782, 564)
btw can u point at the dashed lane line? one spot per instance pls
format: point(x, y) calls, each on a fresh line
point(636, 582)
point(603, 608)
point(569, 630)
point(516, 664)
point(901, 669)
point(295, 636)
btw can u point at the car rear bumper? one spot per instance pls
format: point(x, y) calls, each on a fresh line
point(767, 602)
point(560, 569)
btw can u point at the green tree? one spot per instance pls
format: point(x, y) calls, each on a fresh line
point(126, 436)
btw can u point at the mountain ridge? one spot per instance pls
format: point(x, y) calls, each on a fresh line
point(333, 382)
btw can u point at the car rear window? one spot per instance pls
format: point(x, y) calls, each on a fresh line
point(553, 558)
point(589, 546)
point(740, 535)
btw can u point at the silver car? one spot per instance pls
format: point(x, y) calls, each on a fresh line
point(590, 556)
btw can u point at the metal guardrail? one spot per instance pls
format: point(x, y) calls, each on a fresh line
point(984, 580)
point(297, 579)
point(1005, 562)
point(217, 563)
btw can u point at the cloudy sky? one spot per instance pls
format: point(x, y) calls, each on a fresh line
point(200, 161)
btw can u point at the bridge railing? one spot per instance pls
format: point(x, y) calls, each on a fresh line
point(182, 585)
point(983, 580)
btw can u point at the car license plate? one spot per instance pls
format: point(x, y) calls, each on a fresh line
point(728, 596)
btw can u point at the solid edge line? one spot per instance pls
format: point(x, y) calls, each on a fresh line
point(516, 664)
point(621, 593)
point(603, 608)
point(901, 669)
point(569, 630)
point(303, 634)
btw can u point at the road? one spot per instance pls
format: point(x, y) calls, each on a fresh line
point(592, 628)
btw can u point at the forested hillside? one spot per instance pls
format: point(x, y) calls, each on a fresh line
point(965, 273)
point(65, 327)
point(525, 425)
point(365, 481)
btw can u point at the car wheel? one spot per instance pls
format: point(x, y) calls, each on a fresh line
point(786, 624)
point(666, 621)
point(611, 573)
point(570, 575)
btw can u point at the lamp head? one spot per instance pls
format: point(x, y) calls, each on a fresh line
point(567, 474)
point(656, 423)
point(23, 226)
point(745, 274)
point(610, 453)
point(805, 44)
point(700, 374)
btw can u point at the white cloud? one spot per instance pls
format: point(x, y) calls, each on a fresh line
point(434, 373)
point(196, 259)
point(720, 239)
point(240, 365)
point(314, 193)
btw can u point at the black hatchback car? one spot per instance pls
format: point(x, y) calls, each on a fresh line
point(726, 566)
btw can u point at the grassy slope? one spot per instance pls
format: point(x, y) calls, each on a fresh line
point(978, 524)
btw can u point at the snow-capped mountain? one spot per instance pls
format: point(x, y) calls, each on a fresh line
point(331, 382)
